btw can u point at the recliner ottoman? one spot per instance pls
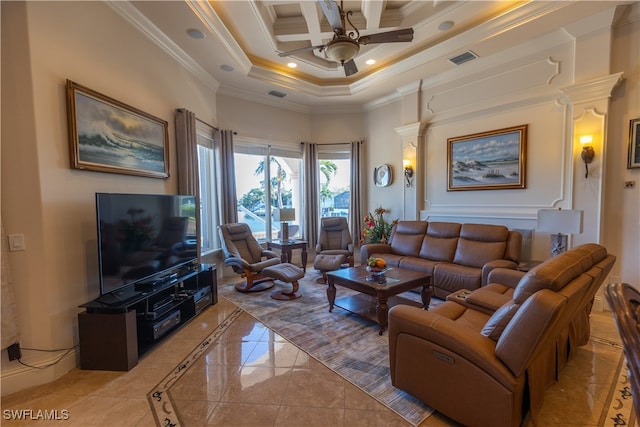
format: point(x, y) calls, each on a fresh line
point(328, 262)
point(285, 272)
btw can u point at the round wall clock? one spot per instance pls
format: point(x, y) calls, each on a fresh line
point(382, 175)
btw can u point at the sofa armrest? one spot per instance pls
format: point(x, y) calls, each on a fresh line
point(505, 276)
point(444, 332)
point(492, 265)
point(373, 248)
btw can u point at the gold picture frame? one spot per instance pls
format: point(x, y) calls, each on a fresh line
point(493, 160)
point(106, 135)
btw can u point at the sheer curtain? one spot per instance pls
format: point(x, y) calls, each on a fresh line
point(356, 194)
point(227, 179)
point(311, 188)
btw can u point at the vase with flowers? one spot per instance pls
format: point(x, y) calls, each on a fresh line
point(376, 228)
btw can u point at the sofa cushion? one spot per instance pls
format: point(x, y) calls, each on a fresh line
point(418, 264)
point(480, 243)
point(476, 254)
point(440, 241)
point(452, 277)
point(497, 323)
point(406, 237)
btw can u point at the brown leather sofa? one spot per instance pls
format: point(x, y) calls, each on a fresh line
point(459, 256)
point(483, 362)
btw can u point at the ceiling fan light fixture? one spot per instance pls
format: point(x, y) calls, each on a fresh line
point(342, 50)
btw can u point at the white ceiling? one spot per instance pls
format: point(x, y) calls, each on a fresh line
point(248, 34)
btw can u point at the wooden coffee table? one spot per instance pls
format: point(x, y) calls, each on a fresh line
point(398, 280)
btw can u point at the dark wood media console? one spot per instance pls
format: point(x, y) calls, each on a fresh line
point(115, 330)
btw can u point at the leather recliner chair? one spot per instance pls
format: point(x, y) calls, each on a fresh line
point(335, 239)
point(245, 256)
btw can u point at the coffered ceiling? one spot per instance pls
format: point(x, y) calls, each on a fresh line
point(236, 44)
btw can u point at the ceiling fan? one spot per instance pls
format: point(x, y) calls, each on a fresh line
point(344, 46)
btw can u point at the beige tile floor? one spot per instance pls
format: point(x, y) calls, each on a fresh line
point(287, 386)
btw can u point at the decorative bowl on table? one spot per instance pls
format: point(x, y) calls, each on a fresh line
point(376, 274)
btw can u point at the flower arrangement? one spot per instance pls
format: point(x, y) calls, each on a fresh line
point(376, 228)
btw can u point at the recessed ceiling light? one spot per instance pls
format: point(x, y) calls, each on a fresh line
point(195, 34)
point(445, 25)
point(292, 65)
point(226, 67)
point(370, 61)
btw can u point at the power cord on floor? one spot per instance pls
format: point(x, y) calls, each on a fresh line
point(66, 352)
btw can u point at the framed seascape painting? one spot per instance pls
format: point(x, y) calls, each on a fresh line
point(107, 135)
point(491, 160)
point(634, 144)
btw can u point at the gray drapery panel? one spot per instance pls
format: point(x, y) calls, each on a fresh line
point(10, 332)
point(356, 207)
point(187, 148)
point(227, 179)
point(311, 190)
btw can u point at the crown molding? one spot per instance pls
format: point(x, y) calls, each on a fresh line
point(139, 21)
point(595, 89)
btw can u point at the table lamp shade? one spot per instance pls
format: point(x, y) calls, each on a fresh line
point(560, 221)
point(285, 214)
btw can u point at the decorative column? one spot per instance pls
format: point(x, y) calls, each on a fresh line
point(413, 186)
point(590, 107)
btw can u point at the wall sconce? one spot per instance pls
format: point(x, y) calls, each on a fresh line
point(408, 172)
point(587, 154)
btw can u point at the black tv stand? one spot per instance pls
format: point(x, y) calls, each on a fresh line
point(116, 329)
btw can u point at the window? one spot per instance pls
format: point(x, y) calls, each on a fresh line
point(209, 218)
point(262, 190)
point(334, 166)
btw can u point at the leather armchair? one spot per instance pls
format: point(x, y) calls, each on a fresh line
point(245, 256)
point(335, 239)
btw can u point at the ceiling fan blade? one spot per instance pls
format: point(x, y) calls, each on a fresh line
point(302, 49)
point(332, 13)
point(404, 35)
point(350, 68)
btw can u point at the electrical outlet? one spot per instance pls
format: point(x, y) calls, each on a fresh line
point(14, 351)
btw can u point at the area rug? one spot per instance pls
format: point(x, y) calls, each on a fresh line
point(344, 342)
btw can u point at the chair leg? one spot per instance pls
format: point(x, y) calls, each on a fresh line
point(322, 280)
point(256, 282)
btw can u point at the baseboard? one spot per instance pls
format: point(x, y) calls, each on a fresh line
point(16, 377)
point(599, 305)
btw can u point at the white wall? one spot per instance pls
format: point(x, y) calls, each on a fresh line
point(621, 231)
point(384, 146)
point(263, 122)
point(43, 44)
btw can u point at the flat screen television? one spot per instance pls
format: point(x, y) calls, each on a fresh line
point(142, 237)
